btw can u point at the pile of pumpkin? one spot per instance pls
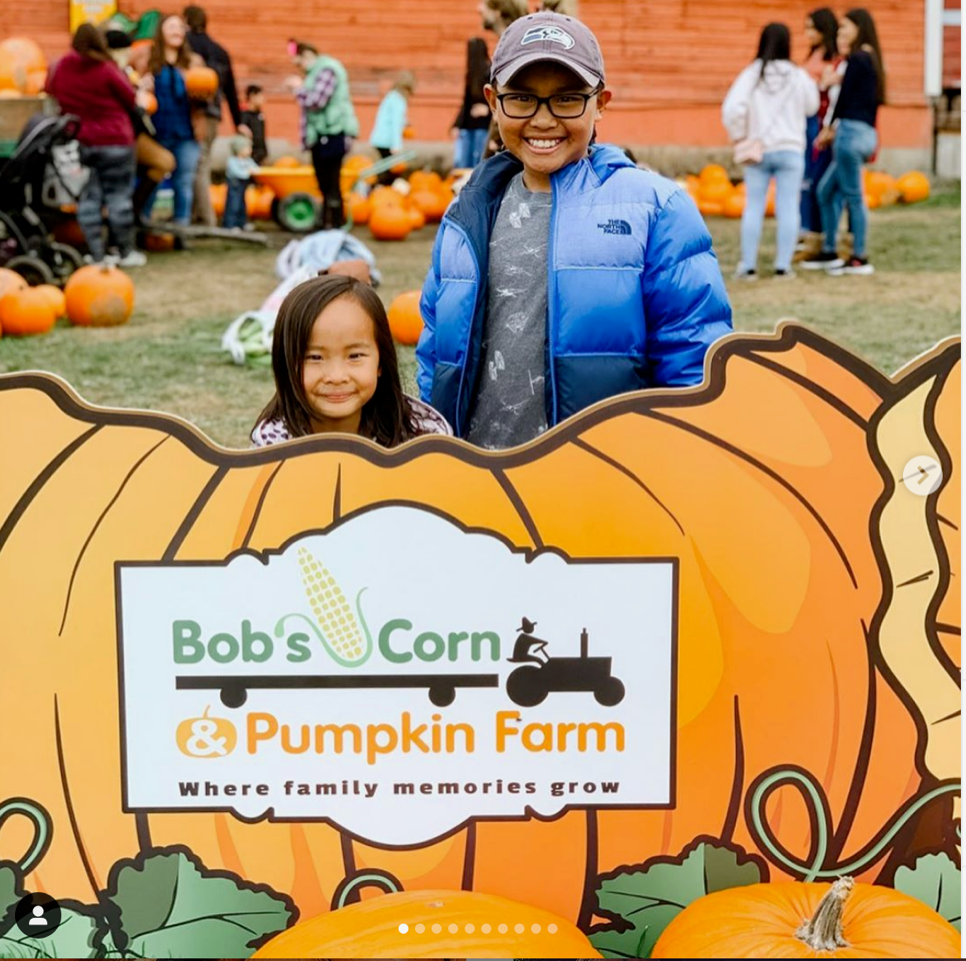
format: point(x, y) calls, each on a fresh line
point(95, 296)
point(258, 200)
point(23, 68)
point(393, 213)
point(716, 196)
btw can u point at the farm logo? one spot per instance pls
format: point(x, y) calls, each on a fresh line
point(549, 34)
point(321, 681)
point(615, 227)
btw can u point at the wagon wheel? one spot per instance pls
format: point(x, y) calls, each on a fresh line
point(32, 269)
point(63, 260)
point(297, 212)
point(525, 687)
point(609, 693)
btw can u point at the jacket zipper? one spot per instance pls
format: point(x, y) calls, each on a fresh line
point(458, 425)
point(551, 372)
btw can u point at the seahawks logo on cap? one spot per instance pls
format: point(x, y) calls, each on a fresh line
point(553, 34)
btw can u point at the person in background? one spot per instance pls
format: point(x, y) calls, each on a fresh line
point(496, 16)
point(821, 28)
point(567, 8)
point(167, 59)
point(770, 101)
point(88, 83)
point(238, 172)
point(154, 162)
point(473, 121)
point(254, 120)
point(387, 131)
point(853, 139)
point(216, 57)
point(328, 123)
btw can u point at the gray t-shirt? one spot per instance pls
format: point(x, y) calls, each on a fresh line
point(510, 406)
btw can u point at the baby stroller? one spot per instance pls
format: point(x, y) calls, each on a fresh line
point(43, 174)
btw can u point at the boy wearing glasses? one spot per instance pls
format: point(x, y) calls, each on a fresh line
point(562, 274)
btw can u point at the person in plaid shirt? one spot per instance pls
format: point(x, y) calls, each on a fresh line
point(328, 123)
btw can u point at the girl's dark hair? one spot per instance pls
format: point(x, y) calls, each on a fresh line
point(386, 417)
point(477, 69)
point(824, 21)
point(775, 43)
point(868, 40)
point(300, 47)
point(88, 41)
point(158, 61)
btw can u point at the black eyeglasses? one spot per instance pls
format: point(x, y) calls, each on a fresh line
point(563, 106)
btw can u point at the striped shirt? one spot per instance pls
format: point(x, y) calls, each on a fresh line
point(315, 98)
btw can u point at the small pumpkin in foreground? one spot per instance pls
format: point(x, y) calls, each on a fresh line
point(795, 920)
point(10, 280)
point(26, 310)
point(432, 924)
point(99, 296)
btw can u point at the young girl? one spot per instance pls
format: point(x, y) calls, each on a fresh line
point(853, 139)
point(335, 370)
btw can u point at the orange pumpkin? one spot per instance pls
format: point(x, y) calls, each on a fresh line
point(432, 203)
point(710, 209)
point(405, 320)
point(55, 296)
point(26, 310)
point(432, 924)
point(150, 103)
point(10, 280)
point(258, 202)
point(218, 194)
point(21, 64)
point(287, 161)
point(798, 587)
point(417, 217)
point(389, 222)
point(808, 921)
point(425, 180)
point(386, 195)
point(158, 243)
point(713, 173)
point(913, 187)
point(201, 82)
point(716, 191)
point(734, 206)
point(99, 296)
point(409, 133)
point(361, 209)
point(36, 81)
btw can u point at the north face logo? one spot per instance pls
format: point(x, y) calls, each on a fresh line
point(553, 34)
point(615, 227)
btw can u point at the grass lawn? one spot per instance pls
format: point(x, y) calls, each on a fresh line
point(168, 358)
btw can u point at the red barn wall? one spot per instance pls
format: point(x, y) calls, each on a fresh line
point(669, 62)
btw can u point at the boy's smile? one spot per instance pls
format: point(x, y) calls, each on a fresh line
point(544, 143)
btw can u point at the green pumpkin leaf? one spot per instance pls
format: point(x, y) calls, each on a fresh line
point(641, 901)
point(165, 903)
point(935, 880)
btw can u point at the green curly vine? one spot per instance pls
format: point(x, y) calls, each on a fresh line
point(812, 791)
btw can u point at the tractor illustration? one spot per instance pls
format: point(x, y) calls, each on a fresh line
point(540, 674)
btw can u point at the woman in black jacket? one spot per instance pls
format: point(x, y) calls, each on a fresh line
point(473, 120)
point(853, 139)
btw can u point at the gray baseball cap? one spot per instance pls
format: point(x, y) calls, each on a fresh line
point(548, 36)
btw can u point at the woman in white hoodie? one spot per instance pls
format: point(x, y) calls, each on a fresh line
point(770, 101)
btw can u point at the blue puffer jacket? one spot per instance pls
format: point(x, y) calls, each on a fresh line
point(635, 294)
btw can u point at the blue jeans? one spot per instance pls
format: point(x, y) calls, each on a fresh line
point(788, 168)
point(469, 148)
point(186, 154)
point(111, 185)
point(854, 143)
point(235, 214)
point(816, 163)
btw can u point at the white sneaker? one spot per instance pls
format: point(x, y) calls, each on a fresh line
point(742, 273)
point(133, 258)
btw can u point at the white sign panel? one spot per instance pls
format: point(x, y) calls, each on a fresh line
point(397, 676)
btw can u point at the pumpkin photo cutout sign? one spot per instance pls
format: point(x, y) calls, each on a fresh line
point(689, 640)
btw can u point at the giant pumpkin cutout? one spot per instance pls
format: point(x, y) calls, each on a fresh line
point(800, 738)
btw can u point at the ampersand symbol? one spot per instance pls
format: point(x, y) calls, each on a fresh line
point(201, 743)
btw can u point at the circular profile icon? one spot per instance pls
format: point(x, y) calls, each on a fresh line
point(37, 915)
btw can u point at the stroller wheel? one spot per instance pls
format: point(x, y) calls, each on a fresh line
point(32, 269)
point(63, 260)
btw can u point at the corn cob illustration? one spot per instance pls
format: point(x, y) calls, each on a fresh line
point(343, 633)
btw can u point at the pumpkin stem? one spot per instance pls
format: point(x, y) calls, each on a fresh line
point(823, 931)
